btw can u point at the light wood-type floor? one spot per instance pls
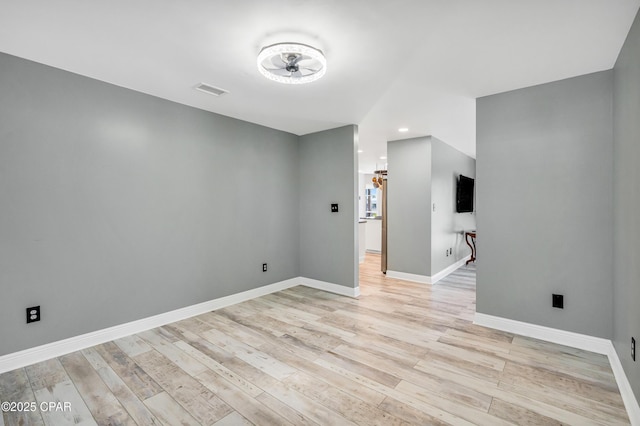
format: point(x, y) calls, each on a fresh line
point(402, 353)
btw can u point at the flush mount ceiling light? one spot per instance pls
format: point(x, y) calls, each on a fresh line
point(292, 63)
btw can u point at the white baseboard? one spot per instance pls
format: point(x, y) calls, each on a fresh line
point(62, 347)
point(361, 259)
point(449, 269)
point(425, 279)
point(629, 399)
point(548, 334)
point(422, 279)
point(330, 287)
point(574, 340)
point(41, 353)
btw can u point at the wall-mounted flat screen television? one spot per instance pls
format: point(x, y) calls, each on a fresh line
point(464, 194)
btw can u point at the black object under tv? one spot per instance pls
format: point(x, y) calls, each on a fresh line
point(464, 194)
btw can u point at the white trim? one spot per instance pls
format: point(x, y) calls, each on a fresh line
point(629, 399)
point(574, 340)
point(361, 259)
point(425, 279)
point(422, 279)
point(449, 269)
point(41, 353)
point(330, 287)
point(553, 335)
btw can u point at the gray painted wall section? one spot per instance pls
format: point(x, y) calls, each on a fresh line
point(328, 174)
point(447, 226)
point(544, 204)
point(117, 205)
point(409, 206)
point(423, 171)
point(626, 271)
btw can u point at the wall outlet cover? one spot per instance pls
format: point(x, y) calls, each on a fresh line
point(558, 301)
point(33, 314)
point(334, 208)
point(264, 267)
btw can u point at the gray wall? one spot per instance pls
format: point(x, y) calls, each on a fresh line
point(544, 204)
point(626, 160)
point(328, 173)
point(409, 206)
point(447, 226)
point(118, 205)
point(424, 171)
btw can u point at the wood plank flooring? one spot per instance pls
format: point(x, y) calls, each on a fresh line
point(402, 353)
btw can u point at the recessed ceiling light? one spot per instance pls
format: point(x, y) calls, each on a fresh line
point(403, 129)
point(360, 151)
point(292, 63)
point(383, 158)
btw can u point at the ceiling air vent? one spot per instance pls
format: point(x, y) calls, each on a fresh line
point(212, 90)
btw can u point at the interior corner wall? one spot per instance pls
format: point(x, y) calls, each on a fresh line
point(545, 205)
point(362, 181)
point(409, 206)
point(117, 205)
point(626, 160)
point(328, 174)
point(448, 226)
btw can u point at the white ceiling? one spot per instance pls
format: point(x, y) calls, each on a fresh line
point(394, 63)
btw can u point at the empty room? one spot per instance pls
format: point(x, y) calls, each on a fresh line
point(319, 212)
